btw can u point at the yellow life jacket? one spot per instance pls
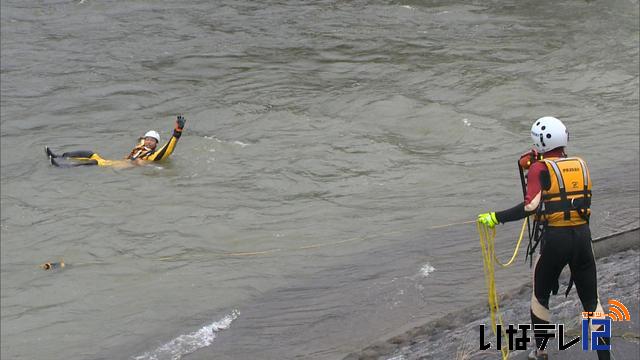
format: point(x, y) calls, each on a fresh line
point(567, 202)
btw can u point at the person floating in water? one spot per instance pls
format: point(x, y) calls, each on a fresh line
point(146, 150)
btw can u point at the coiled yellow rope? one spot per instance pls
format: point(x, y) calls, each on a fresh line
point(487, 243)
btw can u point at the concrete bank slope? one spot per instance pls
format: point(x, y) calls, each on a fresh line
point(456, 335)
point(625, 342)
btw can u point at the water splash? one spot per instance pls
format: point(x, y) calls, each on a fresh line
point(426, 269)
point(188, 343)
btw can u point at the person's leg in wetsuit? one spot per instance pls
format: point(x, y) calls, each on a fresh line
point(561, 246)
point(70, 154)
point(583, 273)
point(81, 158)
point(555, 252)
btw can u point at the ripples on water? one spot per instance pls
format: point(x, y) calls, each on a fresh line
point(323, 142)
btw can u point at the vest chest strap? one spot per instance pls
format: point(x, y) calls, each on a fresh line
point(581, 204)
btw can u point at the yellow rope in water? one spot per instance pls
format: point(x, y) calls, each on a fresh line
point(298, 248)
point(281, 250)
point(487, 243)
point(452, 224)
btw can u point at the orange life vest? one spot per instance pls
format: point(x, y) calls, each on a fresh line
point(568, 201)
point(140, 152)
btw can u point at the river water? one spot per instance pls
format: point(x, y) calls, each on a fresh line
point(317, 200)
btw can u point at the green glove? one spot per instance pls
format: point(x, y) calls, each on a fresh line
point(488, 219)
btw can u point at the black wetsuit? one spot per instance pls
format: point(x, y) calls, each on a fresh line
point(559, 246)
point(84, 155)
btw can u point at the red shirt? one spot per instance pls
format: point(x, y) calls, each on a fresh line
point(534, 183)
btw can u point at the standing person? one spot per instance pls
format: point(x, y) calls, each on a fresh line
point(145, 150)
point(558, 192)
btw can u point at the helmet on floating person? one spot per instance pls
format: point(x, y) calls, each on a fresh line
point(153, 134)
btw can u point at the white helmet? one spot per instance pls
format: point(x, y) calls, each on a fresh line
point(549, 133)
point(153, 134)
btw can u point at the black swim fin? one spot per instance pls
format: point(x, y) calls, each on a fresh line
point(53, 161)
point(49, 152)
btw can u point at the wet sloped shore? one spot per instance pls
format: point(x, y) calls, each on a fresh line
point(456, 335)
